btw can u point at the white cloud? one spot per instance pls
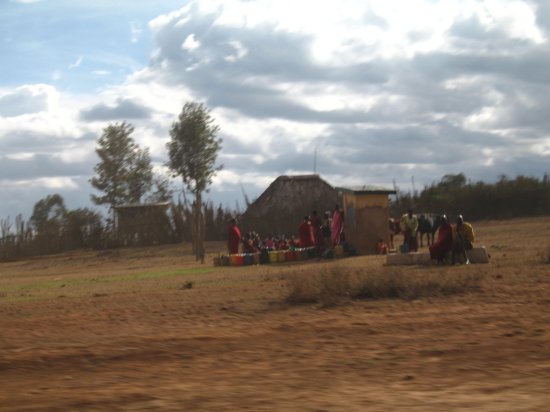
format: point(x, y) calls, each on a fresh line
point(190, 43)
point(51, 183)
point(379, 90)
point(77, 63)
point(136, 31)
point(28, 99)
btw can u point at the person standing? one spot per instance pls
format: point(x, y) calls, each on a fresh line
point(410, 226)
point(463, 238)
point(326, 230)
point(316, 223)
point(337, 228)
point(304, 233)
point(444, 242)
point(233, 238)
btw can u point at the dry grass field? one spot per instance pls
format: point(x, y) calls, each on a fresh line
point(150, 329)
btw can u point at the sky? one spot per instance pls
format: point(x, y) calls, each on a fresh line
point(361, 92)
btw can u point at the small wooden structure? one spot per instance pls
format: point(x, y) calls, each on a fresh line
point(366, 216)
point(143, 224)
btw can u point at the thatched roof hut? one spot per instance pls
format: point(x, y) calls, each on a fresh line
point(282, 207)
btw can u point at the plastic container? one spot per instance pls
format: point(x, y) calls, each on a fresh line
point(236, 260)
point(273, 256)
point(248, 259)
point(289, 255)
point(264, 257)
point(256, 258)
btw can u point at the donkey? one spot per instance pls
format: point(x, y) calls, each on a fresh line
point(428, 225)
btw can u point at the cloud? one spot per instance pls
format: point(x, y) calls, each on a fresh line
point(123, 109)
point(136, 31)
point(77, 63)
point(368, 92)
point(25, 99)
point(40, 166)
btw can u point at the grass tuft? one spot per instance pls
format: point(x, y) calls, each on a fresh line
point(336, 285)
point(187, 285)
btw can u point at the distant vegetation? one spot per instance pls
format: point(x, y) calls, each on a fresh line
point(505, 199)
point(53, 228)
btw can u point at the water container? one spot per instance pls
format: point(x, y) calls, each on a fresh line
point(240, 259)
point(256, 258)
point(289, 255)
point(264, 256)
point(273, 256)
point(248, 259)
point(233, 260)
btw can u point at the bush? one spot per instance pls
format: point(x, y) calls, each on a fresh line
point(335, 285)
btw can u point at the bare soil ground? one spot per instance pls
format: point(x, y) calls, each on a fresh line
point(151, 329)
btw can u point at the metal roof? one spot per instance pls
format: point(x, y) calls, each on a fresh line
point(367, 189)
point(142, 205)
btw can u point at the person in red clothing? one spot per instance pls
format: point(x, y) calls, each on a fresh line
point(269, 242)
point(444, 241)
point(304, 232)
point(316, 224)
point(234, 237)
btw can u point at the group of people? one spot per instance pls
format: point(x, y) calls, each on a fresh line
point(452, 239)
point(315, 232)
point(456, 239)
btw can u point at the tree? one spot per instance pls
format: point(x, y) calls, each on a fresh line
point(192, 152)
point(162, 192)
point(48, 215)
point(83, 228)
point(48, 220)
point(124, 172)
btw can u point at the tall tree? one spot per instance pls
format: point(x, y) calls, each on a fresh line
point(48, 215)
point(124, 171)
point(48, 220)
point(192, 152)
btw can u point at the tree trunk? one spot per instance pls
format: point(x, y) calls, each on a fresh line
point(199, 228)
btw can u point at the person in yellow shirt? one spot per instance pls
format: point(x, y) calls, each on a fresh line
point(463, 238)
point(409, 221)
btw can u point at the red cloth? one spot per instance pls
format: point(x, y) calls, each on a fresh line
point(304, 231)
point(444, 242)
point(234, 239)
point(317, 234)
